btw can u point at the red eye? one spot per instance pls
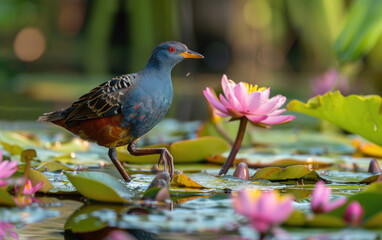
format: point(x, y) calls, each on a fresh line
point(171, 49)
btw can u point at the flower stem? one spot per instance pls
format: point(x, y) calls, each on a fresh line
point(235, 147)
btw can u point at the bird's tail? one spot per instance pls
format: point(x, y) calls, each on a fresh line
point(52, 116)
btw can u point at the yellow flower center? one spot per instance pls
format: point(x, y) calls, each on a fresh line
point(253, 88)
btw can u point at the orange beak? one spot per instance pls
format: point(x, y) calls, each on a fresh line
point(191, 54)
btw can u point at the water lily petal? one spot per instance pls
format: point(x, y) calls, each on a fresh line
point(2, 165)
point(261, 226)
point(353, 214)
point(318, 195)
point(273, 120)
point(241, 94)
point(256, 118)
point(269, 106)
point(335, 204)
point(2, 183)
point(227, 84)
point(267, 205)
point(253, 102)
point(211, 97)
point(224, 101)
point(284, 209)
point(265, 95)
point(277, 112)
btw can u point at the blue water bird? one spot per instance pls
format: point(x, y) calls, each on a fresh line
point(123, 109)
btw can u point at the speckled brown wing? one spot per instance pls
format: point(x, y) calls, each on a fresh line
point(102, 101)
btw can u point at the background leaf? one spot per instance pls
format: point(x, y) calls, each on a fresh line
point(357, 114)
point(6, 199)
point(362, 30)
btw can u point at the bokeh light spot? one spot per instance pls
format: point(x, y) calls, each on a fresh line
point(29, 44)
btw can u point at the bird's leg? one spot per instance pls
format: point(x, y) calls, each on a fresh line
point(114, 158)
point(165, 156)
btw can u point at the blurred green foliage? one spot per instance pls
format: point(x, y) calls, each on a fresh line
point(362, 30)
point(277, 43)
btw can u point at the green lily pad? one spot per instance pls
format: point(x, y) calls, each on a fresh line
point(21, 139)
point(326, 221)
point(74, 145)
point(296, 172)
point(53, 166)
point(296, 219)
point(370, 202)
point(182, 180)
point(36, 177)
point(6, 199)
point(100, 187)
point(185, 151)
point(195, 150)
point(357, 114)
point(374, 187)
point(80, 221)
point(370, 179)
point(124, 155)
point(374, 221)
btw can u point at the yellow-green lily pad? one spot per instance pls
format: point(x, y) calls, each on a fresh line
point(100, 187)
point(296, 172)
point(185, 151)
point(357, 114)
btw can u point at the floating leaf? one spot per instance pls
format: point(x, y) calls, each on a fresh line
point(182, 180)
point(370, 201)
point(21, 139)
point(53, 166)
point(362, 30)
point(6, 199)
point(100, 187)
point(326, 221)
point(13, 149)
point(81, 220)
point(367, 148)
point(36, 177)
point(357, 114)
point(375, 187)
point(370, 179)
point(290, 173)
point(297, 218)
point(124, 155)
point(185, 151)
point(74, 145)
point(198, 149)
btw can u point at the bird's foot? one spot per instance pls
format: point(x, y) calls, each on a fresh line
point(168, 161)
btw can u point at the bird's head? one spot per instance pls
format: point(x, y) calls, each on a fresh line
point(168, 54)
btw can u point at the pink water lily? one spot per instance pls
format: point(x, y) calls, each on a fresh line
point(321, 199)
point(265, 210)
point(330, 80)
point(29, 189)
point(7, 169)
point(6, 231)
point(353, 214)
point(245, 100)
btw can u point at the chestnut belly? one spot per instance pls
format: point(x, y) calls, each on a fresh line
point(105, 131)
